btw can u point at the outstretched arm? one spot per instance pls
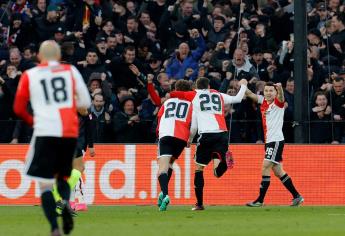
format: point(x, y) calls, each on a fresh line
point(252, 95)
point(239, 96)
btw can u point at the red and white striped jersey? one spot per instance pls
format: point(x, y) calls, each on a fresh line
point(272, 119)
point(55, 91)
point(208, 107)
point(174, 119)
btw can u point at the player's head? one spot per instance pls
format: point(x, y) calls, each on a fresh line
point(49, 51)
point(202, 83)
point(270, 91)
point(183, 85)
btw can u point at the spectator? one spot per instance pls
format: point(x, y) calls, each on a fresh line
point(320, 126)
point(185, 60)
point(337, 98)
point(126, 123)
point(102, 120)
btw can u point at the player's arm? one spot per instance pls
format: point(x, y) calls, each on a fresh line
point(193, 129)
point(22, 99)
point(83, 96)
point(252, 96)
point(159, 116)
point(152, 91)
point(90, 130)
point(280, 93)
point(239, 96)
point(188, 96)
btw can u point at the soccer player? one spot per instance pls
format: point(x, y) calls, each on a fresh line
point(208, 107)
point(272, 112)
point(174, 121)
point(84, 141)
point(55, 92)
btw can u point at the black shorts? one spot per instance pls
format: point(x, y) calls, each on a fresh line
point(274, 151)
point(211, 146)
point(170, 146)
point(50, 157)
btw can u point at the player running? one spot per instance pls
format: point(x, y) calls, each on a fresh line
point(272, 112)
point(208, 107)
point(55, 92)
point(75, 181)
point(174, 121)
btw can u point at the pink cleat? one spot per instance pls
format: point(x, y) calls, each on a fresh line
point(80, 207)
point(230, 162)
point(72, 204)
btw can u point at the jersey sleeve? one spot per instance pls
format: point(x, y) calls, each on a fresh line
point(154, 96)
point(188, 96)
point(234, 99)
point(83, 96)
point(22, 99)
point(278, 103)
point(260, 99)
point(159, 116)
point(193, 127)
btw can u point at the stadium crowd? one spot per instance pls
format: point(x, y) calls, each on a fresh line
point(117, 45)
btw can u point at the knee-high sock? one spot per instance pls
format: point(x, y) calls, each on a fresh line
point(49, 206)
point(199, 186)
point(163, 181)
point(265, 183)
point(286, 180)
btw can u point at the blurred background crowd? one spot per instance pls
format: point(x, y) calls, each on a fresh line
point(117, 44)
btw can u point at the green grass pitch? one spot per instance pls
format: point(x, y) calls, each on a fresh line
point(180, 220)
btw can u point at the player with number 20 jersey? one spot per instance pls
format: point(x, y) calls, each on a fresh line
point(174, 121)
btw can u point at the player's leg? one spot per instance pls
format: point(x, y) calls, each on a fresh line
point(219, 164)
point(199, 187)
point(163, 167)
point(287, 182)
point(66, 151)
point(49, 206)
point(76, 182)
point(265, 183)
point(41, 162)
point(170, 170)
point(218, 145)
point(202, 158)
point(78, 168)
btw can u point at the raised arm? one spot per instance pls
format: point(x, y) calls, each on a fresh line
point(252, 95)
point(280, 95)
point(239, 96)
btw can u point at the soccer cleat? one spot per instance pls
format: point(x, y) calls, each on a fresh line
point(56, 232)
point(230, 162)
point(80, 207)
point(198, 208)
point(255, 204)
point(297, 201)
point(72, 204)
point(67, 219)
point(165, 203)
point(60, 206)
point(160, 199)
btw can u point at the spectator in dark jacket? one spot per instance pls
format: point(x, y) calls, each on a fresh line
point(320, 126)
point(101, 118)
point(126, 123)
